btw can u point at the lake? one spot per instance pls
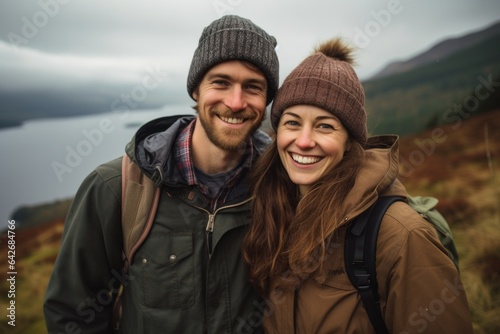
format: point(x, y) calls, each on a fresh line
point(46, 160)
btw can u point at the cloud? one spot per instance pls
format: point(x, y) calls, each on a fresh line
point(33, 69)
point(37, 83)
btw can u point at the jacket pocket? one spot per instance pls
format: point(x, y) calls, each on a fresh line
point(166, 271)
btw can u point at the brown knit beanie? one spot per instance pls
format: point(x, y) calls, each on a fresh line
point(326, 80)
point(234, 38)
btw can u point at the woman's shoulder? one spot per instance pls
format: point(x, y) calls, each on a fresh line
point(402, 224)
point(403, 230)
point(404, 219)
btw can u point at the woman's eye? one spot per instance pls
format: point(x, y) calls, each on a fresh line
point(291, 123)
point(326, 126)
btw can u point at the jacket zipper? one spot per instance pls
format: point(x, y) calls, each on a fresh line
point(209, 231)
point(211, 223)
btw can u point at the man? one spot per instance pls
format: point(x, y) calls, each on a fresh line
point(187, 276)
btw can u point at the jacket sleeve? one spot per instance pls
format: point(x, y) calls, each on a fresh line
point(87, 272)
point(424, 292)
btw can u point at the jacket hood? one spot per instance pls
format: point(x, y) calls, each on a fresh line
point(151, 147)
point(377, 176)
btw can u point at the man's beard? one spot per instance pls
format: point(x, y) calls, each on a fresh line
point(230, 140)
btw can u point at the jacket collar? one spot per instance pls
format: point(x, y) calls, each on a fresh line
point(377, 176)
point(153, 145)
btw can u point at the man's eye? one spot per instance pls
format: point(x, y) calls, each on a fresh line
point(255, 87)
point(219, 83)
point(326, 126)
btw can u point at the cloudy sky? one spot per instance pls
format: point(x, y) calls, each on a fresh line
point(97, 52)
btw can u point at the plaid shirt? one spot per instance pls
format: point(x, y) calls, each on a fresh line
point(183, 158)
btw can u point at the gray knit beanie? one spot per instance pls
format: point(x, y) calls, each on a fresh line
point(326, 80)
point(234, 38)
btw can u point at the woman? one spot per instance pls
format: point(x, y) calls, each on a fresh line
point(321, 172)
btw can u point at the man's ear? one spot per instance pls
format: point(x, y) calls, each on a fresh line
point(195, 94)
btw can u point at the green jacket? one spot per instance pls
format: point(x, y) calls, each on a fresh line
point(175, 283)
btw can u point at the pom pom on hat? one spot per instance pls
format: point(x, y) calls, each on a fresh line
point(335, 48)
point(327, 80)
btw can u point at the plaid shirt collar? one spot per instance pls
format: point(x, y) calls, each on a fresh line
point(183, 157)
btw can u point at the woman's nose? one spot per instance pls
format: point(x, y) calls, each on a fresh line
point(305, 139)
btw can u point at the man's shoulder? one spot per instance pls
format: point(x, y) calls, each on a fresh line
point(110, 170)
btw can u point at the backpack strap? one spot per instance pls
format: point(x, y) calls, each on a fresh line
point(140, 198)
point(360, 258)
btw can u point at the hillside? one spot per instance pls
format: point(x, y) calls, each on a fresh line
point(456, 166)
point(36, 251)
point(35, 215)
point(466, 82)
point(461, 167)
point(439, 51)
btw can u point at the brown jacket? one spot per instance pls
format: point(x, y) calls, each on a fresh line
point(420, 288)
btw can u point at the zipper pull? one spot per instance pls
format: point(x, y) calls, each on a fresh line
point(210, 229)
point(210, 224)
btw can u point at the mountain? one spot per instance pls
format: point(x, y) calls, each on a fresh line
point(463, 84)
point(34, 215)
point(19, 107)
point(439, 51)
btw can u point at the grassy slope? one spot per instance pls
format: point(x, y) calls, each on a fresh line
point(36, 251)
point(463, 171)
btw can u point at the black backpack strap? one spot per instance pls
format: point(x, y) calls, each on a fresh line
point(360, 254)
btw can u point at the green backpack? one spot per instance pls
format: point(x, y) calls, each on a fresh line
point(361, 244)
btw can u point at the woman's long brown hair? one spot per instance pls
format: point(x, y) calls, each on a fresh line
point(289, 236)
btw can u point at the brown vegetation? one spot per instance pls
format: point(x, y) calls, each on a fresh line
point(36, 251)
point(462, 171)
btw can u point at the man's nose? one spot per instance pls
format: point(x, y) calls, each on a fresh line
point(236, 99)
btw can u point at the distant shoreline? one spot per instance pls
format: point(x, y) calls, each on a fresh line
point(7, 125)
